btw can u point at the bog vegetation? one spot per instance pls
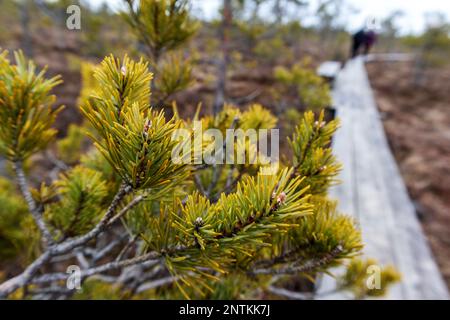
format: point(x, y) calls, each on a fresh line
point(139, 225)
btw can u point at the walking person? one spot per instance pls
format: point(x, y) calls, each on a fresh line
point(363, 39)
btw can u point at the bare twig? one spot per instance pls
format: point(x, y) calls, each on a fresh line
point(61, 165)
point(101, 253)
point(229, 177)
point(52, 290)
point(21, 280)
point(306, 266)
point(82, 260)
point(232, 183)
point(156, 283)
point(248, 98)
point(69, 244)
point(151, 256)
point(291, 295)
point(125, 209)
point(199, 185)
point(227, 17)
point(126, 247)
point(285, 257)
point(217, 170)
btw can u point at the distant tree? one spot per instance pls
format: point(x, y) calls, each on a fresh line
point(281, 7)
point(432, 46)
point(25, 16)
point(301, 81)
point(389, 31)
point(328, 13)
point(251, 29)
point(227, 20)
point(163, 26)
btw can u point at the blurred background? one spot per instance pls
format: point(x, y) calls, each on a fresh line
point(413, 95)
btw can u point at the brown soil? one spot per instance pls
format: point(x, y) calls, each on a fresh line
point(417, 123)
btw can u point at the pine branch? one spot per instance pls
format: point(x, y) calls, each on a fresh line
point(23, 279)
point(161, 25)
point(76, 215)
point(35, 210)
point(151, 257)
point(306, 266)
point(197, 239)
point(282, 258)
point(140, 28)
point(70, 244)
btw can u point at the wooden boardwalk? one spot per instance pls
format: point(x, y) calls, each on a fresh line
point(373, 191)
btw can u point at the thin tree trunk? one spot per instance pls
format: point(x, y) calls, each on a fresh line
point(419, 68)
point(227, 18)
point(278, 11)
point(27, 41)
point(58, 16)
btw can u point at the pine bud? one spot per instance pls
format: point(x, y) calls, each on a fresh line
point(123, 70)
point(281, 198)
point(319, 124)
point(147, 126)
point(198, 222)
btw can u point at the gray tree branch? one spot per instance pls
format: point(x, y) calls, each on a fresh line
point(53, 250)
point(35, 210)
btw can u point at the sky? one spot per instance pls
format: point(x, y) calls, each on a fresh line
point(412, 21)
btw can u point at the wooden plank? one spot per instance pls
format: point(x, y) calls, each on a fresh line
point(329, 69)
point(374, 193)
point(343, 146)
point(367, 187)
point(422, 278)
point(390, 57)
